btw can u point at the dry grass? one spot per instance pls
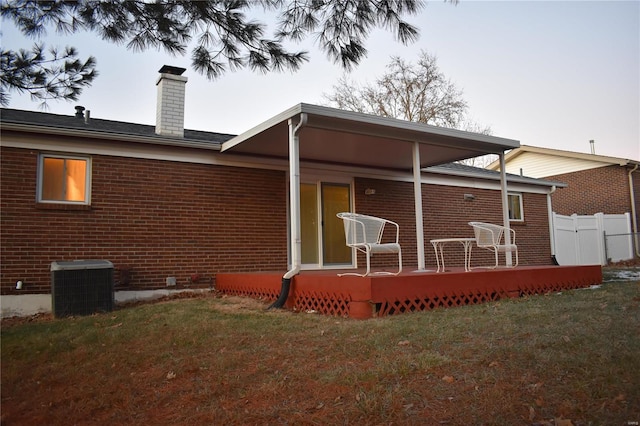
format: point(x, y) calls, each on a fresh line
point(212, 360)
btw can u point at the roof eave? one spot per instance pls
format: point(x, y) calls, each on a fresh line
point(113, 136)
point(510, 177)
point(500, 144)
point(285, 115)
point(505, 144)
point(569, 154)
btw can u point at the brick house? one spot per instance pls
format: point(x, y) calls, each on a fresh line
point(594, 183)
point(163, 201)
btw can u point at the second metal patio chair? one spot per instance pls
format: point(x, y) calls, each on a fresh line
point(491, 237)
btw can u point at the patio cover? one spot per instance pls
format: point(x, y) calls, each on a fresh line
point(311, 133)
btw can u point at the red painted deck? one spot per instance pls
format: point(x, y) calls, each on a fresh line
point(380, 295)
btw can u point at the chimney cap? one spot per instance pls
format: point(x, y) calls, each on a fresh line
point(79, 111)
point(168, 69)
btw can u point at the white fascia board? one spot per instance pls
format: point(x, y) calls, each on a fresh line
point(478, 183)
point(119, 137)
point(358, 117)
point(511, 179)
point(432, 178)
point(277, 119)
point(578, 155)
point(165, 153)
point(562, 153)
point(406, 125)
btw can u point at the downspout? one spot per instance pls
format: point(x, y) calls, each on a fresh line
point(294, 197)
point(634, 221)
point(552, 232)
point(505, 208)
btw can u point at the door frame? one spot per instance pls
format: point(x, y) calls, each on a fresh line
point(317, 180)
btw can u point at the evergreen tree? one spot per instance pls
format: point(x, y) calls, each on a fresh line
point(226, 38)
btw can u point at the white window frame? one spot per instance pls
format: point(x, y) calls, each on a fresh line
point(519, 195)
point(87, 187)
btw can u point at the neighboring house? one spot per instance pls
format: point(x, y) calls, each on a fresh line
point(164, 202)
point(595, 183)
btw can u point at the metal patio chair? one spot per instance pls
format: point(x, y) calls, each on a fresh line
point(364, 233)
point(491, 237)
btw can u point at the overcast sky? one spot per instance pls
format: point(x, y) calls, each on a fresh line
point(550, 74)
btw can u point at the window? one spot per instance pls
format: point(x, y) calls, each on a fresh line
point(64, 179)
point(515, 207)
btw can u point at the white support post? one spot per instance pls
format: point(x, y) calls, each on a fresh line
point(505, 208)
point(417, 195)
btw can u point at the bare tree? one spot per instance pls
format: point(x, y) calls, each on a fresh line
point(413, 92)
point(468, 125)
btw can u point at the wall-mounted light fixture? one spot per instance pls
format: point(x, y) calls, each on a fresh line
point(19, 285)
point(469, 197)
point(369, 191)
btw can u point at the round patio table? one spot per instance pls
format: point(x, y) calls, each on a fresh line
point(438, 246)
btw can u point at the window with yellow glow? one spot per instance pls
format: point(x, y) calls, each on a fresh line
point(64, 179)
point(515, 207)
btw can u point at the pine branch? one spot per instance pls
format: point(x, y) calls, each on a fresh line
point(227, 38)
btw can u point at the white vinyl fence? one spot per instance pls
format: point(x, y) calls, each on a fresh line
point(592, 240)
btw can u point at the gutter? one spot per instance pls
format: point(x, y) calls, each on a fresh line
point(633, 209)
point(294, 196)
point(112, 136)
point(551, 226)
point(495, 176)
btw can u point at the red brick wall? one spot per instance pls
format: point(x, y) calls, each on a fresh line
point(635, 176)
point(601, 190)
point(447, 216)
point(392, 201)
point(164, 219)
point(159, 218)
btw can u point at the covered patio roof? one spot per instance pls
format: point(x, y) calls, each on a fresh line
point(350, 138)
point(311, 133)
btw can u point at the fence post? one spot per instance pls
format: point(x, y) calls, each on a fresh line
point(602, 251)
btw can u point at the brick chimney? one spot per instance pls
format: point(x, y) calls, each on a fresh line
point(170, 102)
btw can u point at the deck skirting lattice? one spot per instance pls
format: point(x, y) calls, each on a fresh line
point(326, 303)
point(377, 296)
point(428, 302)
point(250, 290)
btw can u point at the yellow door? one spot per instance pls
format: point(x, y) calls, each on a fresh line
point(309, 224)
point(335, 199)
point(322, 233)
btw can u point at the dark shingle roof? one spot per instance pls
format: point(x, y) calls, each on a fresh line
point(464, 170)
point(72, 122)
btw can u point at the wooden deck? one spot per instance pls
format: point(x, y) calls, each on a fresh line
point(379, 295)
